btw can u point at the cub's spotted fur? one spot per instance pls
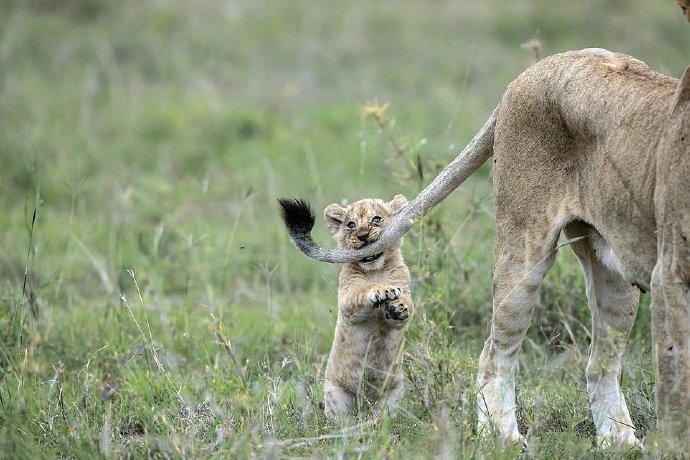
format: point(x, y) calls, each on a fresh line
point(374, 306)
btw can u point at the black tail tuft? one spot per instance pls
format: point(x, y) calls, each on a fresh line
point(298, 216)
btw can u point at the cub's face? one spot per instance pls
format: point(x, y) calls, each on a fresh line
point(361, 223)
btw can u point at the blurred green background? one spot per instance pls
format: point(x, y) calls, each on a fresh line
point(153, 138)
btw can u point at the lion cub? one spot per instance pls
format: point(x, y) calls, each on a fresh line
point(374, 305)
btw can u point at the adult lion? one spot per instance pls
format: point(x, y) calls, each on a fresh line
point(593, 144)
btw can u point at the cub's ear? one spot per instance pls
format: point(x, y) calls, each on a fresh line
point(333, 215)
point(396, 204)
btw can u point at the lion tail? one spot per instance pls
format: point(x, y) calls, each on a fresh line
point(299, 219)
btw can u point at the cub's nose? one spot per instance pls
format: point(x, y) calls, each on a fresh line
point(363, 237)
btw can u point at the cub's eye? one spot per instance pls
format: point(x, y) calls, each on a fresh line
point(351, 225)
point(376, 220)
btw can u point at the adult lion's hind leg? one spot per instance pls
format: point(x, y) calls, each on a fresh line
point(671, 333)
point(521, 264)
point(613, 303)
point(671, 275)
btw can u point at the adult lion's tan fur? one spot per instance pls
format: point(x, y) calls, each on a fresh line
point(595, 145)
point(575, 151)
point(671, 275)
point(374, 305)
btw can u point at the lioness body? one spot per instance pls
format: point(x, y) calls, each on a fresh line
point(575, 151)
point(374, 305)
point(593, 144)
point(578, 148)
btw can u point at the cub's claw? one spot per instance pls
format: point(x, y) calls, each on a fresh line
point(397, 311)
point(381, 294)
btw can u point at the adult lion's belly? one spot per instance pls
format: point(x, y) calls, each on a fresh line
point(630, 252)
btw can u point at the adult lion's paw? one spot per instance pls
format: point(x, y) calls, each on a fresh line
point(382, 293)
point(397, 311)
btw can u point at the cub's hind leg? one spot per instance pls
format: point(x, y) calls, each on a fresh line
point(390, 401)
point(338, 402)
point(613, 303)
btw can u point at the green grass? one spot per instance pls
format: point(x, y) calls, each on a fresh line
point(156, 308)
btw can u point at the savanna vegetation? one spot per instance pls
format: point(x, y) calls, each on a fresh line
point(151, 304)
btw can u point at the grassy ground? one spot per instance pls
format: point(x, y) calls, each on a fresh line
point(154, 306)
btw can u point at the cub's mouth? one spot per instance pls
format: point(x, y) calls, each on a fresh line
point(371, 258)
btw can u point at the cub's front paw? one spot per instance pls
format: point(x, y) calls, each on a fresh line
point(397, 311)
point(383, 293)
